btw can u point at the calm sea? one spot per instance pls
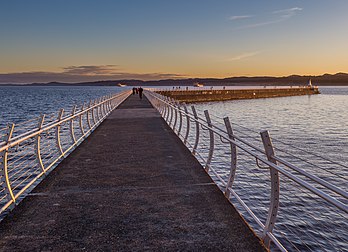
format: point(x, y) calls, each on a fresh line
point(317, 123)
point(22, 103)
point(311, 131)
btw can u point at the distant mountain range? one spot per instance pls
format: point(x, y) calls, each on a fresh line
point(339, 79)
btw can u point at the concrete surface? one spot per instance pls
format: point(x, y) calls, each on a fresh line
point(237, 94)
point(131, 186)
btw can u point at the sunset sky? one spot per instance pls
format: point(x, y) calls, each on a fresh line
point(82, 40)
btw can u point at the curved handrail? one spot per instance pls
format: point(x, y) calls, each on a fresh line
point(20, 138)
point(220, 131)
point(17, 186)
point(314, 184)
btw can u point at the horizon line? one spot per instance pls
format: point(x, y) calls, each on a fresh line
point(169, 79)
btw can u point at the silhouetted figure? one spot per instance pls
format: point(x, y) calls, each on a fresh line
point(134, 90)
point(140, 90)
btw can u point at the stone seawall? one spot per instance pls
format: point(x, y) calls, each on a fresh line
point(234, 94)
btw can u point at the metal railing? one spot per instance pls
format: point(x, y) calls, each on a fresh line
point(30, 150)
point(289, 208)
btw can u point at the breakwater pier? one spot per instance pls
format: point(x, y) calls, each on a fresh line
point(207, 95)
point(132, 186)
point(120, 173)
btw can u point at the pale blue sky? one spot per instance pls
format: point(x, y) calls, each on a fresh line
point(160, 39)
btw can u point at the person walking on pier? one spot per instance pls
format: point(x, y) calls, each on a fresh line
point(140, 90)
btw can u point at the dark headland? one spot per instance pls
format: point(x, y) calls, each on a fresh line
point(338, 79)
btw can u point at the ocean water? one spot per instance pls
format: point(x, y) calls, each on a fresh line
point(309, 131)
point(317, 123)
point(21, 103)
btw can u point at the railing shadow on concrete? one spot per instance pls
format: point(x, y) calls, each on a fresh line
point(279, 200)
point(30, 150)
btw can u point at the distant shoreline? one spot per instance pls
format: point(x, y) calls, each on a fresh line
point(145, 84)
point(339, 79)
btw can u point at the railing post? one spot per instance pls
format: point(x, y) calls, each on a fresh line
point(108, 104)
point(154, 100)
point(97, 112)
point(211, 141)
point(171, 112)
point(108, 108)
point(175, 114)
point(97, 109)
point(233, 157)
point(103, 106)
point(158, 103)
point(58, 142)
point(113, 103)
point(274, 204)
point(187, 123)
point(88, 112)
point(194, 150)
point(168, 109)
point(80, 120)
point(37, 145)
point(93, 113)
point(111, 99)
point(180, 119)
point(101, 103)
point(165, 110)
point(72, 134)
point(4, 171)
point(102, 111)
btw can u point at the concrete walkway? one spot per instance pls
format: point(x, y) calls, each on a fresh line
point(131, 186)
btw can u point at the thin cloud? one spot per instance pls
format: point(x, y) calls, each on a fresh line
point(239, 17)
point(280, 16)
point(243, 56)
point(73, 74)
point(288, 13)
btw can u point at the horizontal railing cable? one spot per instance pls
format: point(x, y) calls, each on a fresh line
point(31, 149)
point(305, 185)
point(294, 147)
point(286, 173)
